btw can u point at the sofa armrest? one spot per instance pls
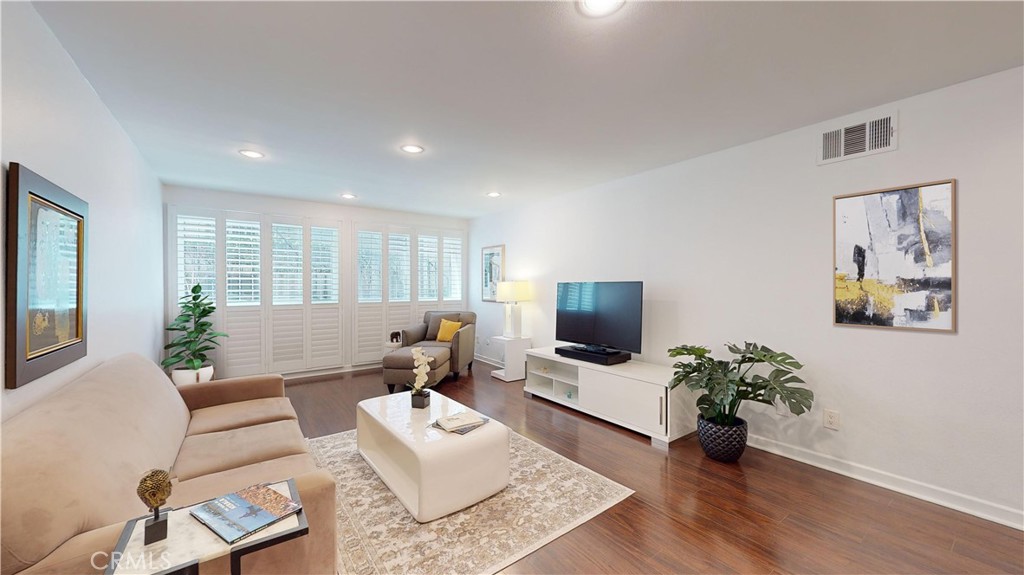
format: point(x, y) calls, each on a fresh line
point(314, 554)
point(414, 334)
point(87, 552)
point(319, 503)
point(231, 390)
point(463, 347)
point(90, 552)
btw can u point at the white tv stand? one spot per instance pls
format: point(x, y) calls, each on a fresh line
point(634, 394)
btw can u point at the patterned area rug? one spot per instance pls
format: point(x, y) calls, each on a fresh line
point(547, 496)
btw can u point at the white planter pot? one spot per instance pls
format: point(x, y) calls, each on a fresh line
point(182, 376)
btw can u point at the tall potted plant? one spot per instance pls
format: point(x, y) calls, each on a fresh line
point(196, 338)
point(726, 384)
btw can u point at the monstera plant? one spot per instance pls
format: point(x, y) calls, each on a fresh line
point(196, 336)
point(727, 384)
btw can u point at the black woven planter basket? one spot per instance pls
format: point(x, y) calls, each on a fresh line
point(722, 442)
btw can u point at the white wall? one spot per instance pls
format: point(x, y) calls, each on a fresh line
point(262, 204)
point(56, 125)
point(737, 245)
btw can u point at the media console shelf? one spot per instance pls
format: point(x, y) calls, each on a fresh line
point(634, 394)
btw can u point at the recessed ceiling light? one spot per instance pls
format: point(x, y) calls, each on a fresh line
point(598, 8)
point(494, 194)
point(251, 154)
point(412, 149)
point(349, 196)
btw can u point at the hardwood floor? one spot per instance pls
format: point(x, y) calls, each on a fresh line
point(766, 514)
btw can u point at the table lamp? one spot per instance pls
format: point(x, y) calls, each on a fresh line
point(511, 293)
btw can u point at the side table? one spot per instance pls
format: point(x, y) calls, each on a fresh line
point(190, 543)
point(515, 357)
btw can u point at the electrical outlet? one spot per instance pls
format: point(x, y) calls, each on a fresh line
point(832, 419)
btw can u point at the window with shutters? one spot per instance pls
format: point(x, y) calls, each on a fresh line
point(369, 259)
point(323, 264)
point(399, 268)
point(278, 283)
point(242, 262)
point(452, 269)
point(286, 257)
point(197, 255)
point(427, 268)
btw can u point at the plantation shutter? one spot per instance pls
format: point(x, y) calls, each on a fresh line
point(323, 261)
point(287, 333)
point(427, 268)
point(287, 264)
point(196, 255)
point(242, 262)
point(370, 307)
point(400, 278)
point(399, 268)
point(243, 316)
point(325, 311)
point(452, 269)
point(369, 256)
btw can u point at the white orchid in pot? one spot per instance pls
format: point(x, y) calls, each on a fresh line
point(420, 396)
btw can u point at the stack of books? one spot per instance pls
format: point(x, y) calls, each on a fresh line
point(461, 423)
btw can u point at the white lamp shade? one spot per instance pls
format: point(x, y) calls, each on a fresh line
point(515, 291)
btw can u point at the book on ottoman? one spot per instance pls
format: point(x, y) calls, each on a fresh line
point(460, 423)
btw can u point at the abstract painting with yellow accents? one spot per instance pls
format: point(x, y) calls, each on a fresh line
point(895, 257)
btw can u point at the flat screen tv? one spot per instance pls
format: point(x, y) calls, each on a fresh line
point(600, 315)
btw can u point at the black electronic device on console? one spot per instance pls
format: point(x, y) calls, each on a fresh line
point(606, 357)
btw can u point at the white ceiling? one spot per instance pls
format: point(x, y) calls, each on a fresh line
point(525, 98)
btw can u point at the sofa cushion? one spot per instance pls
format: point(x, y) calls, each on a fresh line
point(213, 485)
point(221, 450)
point(72, 462)
point(240, 414)
point(434, 325)
point(401, 358)
point(433, 343)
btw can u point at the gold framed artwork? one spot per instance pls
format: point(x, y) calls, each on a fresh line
point(894, 256)
point(46, 265)
point(492, 271)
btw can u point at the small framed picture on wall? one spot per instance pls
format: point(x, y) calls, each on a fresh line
point(492, 271)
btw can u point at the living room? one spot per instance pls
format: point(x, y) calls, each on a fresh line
point(730, 232)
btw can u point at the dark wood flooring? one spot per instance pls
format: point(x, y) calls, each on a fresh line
point(766, 514)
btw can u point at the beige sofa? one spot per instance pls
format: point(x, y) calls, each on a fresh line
point(72, 462)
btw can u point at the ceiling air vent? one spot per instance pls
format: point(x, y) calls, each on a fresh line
point(856, 139)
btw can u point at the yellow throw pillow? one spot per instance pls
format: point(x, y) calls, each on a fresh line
point(448, 329)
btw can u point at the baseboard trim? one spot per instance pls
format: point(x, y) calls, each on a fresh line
point(319, 374)
point(968, 504)
point(489, 361)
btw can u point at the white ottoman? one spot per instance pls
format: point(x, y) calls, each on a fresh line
point(432, 472)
